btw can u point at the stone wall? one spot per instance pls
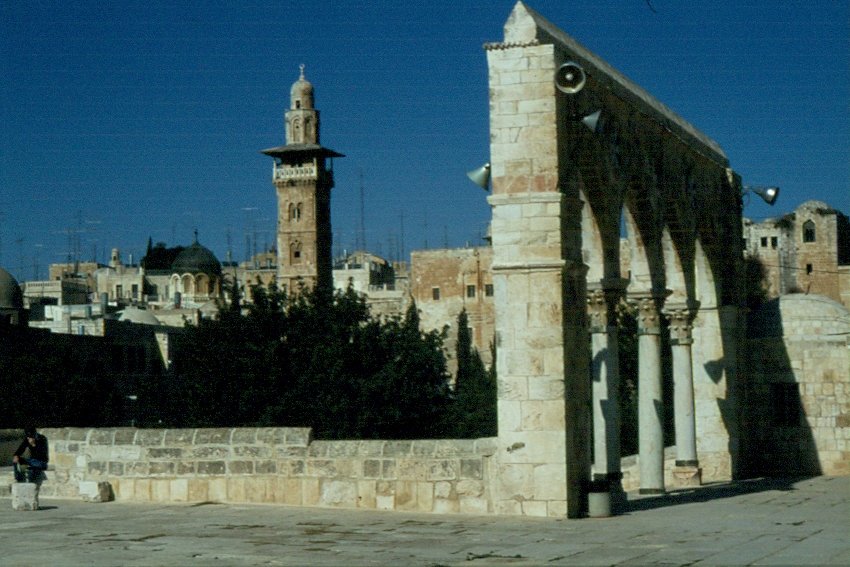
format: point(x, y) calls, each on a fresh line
point(274, 465)
point(798, 387)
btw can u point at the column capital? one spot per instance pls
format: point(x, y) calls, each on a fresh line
point(681, 315)
point(649, 309)
point(602, 300)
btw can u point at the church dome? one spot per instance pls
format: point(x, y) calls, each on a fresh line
point(10, 292)
point(301, 93)
point(196, 259)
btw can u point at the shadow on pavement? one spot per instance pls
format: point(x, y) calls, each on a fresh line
point(710, 492)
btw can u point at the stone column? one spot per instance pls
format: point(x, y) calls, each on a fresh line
point(650, 406)
point(681, 316)
point(602, 303)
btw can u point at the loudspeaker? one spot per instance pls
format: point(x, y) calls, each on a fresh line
point(570, 78)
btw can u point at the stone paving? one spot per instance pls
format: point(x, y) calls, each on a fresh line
point(760, 522)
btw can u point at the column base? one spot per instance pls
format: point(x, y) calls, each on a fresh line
point(686, 475)
point(619, 498)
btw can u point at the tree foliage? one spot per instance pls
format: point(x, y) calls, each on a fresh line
point(316, 360)
point(474, 412)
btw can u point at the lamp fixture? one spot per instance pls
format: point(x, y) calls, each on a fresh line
point(768, 194)
point(480, 176)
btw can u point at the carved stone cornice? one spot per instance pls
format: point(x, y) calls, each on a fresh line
point(496, 46)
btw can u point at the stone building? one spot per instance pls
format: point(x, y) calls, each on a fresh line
point(446, 281)
point(303, 177)
point(806, 251)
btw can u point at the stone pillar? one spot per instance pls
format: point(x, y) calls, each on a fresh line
point(24, 496)
point(681, 316)
point(650, 405)
point(602, 303)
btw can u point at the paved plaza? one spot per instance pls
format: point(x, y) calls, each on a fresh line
point(759, 522)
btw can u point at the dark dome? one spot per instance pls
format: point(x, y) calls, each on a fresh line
point(196, 259)
point(10, 292)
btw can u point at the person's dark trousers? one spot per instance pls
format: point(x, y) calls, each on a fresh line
point(33, 471)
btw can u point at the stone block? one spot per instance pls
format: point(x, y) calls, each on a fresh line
point(471, 469)
point(385, 502)
point(338, 493)
point(94, 491)
point(178, 437)
point(243, 436)
point(161, 490)
point(298, 436)
point(142, 490)
point(257, 489)
point(442, 470)
point(424, 496)
point(217, 489)
point(310, 491)
point(236, 489)
point(198, 490)
point(271, 435)
point(179, 490)
point(212, 436)
point(24, 496)
point(150, 437)
point(366, 494)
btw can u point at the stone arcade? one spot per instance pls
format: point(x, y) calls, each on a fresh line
point(560, 190)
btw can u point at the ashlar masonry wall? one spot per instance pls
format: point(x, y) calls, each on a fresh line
point(272, 465)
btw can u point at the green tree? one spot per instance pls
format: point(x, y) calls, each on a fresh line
point(474, 408)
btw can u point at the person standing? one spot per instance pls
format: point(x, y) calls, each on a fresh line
point(38, 456)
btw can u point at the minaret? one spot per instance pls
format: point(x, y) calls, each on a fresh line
point(303, 177)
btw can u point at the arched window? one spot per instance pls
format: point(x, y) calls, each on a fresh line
point(294, 212)
point(295, 253)
point(808, 231)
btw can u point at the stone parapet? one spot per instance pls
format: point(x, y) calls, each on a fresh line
point(278, 465)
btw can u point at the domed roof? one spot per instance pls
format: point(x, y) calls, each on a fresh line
point(140, 316)
point(301, 92)
point(10, 292)
point(196, 259)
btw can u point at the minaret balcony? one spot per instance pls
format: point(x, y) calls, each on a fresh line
point(288, 172)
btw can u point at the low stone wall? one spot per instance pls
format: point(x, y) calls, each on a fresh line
point(275, 465)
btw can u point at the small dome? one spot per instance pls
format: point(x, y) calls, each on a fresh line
point(10, 292)
point(301, 93)
point(140, 316)
point(196, 259)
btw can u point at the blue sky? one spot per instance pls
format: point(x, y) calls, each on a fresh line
point(121, 121)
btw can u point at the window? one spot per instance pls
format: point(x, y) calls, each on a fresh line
point(773, 242)
point(764, 242)
point(435, 293)
point(135, 291)
point(787, 407)
point(119, 291)
point(808, 269)
point(470, 291)
point(488, 290)
point(808, 231)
